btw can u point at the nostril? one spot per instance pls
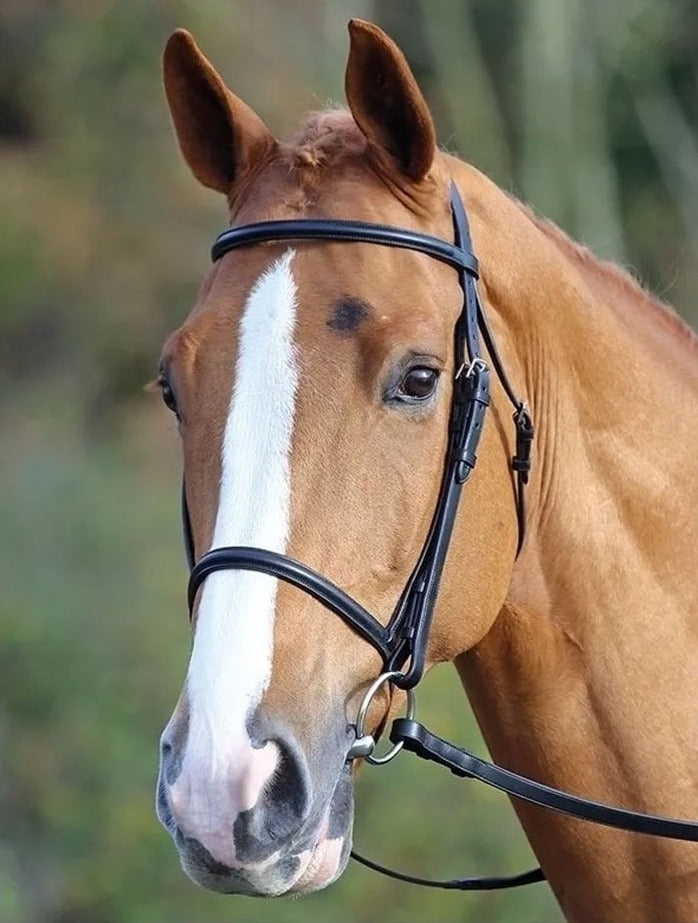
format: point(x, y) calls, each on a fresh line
point(288, 791)
point(170, 761)
point(284, 802)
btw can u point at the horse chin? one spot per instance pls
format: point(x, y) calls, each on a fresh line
point(314, 869)
point(325, 863)
point(286, 871)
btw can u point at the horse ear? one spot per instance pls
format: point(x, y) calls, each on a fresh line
point(386, 102)
point(221, 138)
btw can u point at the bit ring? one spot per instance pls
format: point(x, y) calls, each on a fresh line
point(365, 743)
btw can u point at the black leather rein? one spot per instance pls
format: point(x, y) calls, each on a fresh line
point(402, 643)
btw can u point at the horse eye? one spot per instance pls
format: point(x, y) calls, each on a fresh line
point(419, 383)
point(168, 395)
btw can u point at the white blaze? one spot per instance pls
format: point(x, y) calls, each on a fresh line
point(230, 664)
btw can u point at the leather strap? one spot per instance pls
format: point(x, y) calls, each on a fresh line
point(349, 231)
point(461, 762)
point(412, 618)
point(187, 533)
point(485, 883)
point(300, 576)
point(467, 324)
point(521, 460)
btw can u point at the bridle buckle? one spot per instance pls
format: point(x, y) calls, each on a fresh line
point(477, 363)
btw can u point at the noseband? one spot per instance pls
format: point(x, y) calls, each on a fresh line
point(402, 643)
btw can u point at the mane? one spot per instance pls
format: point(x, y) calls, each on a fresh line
point(618, 279)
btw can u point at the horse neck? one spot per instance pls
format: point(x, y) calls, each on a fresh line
point(589, 678)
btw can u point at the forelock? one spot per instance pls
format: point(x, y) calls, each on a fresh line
point(328, 139)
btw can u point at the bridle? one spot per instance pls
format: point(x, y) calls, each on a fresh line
point(402, 643)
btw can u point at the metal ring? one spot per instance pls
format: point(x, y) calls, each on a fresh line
point(363, 710)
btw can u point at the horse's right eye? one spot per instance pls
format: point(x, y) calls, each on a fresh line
point(168, 394)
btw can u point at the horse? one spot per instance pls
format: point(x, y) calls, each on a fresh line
point(313, 384)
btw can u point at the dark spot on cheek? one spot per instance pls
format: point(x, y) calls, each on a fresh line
point(347, 314)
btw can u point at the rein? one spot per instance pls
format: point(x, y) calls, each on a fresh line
point(402, 643)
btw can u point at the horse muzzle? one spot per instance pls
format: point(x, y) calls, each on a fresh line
point(263, 822)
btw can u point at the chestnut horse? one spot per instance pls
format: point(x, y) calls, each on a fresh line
point(312, 383)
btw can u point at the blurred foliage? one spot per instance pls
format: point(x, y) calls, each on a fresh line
point(589, 111)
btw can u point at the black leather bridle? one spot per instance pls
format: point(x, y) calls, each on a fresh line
point(402, 643)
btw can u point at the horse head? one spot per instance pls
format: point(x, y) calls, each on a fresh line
point(313, 384)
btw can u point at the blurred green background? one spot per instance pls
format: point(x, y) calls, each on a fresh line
point(589, 110)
